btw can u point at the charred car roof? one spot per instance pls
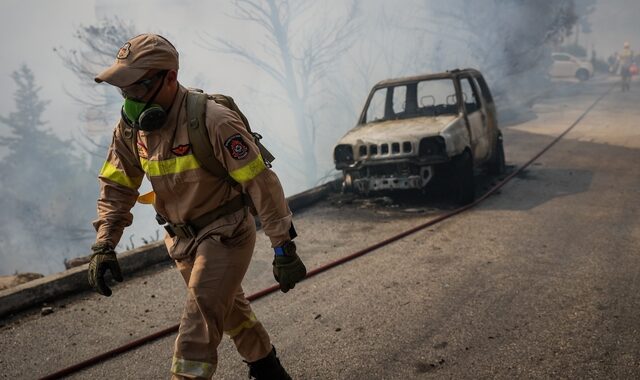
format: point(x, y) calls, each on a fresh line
point(451, 74)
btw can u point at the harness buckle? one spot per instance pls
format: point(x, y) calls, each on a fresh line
point(181, 230)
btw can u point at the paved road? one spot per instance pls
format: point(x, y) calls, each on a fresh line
point(540, 281)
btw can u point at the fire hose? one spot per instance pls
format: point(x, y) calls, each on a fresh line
point(264, 292)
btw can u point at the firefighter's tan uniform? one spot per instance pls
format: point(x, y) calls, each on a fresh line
point(626, 57)
point(214, 262)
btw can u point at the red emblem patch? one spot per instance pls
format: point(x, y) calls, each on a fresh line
point(237, 147)
point(181, 150)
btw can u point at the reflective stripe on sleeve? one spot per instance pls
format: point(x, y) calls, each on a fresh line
point(110, 172)
point(171, 166)
point(249, 171)
point(191, 368)
point(244, 325)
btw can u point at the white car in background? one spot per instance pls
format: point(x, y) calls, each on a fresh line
point(567, 66)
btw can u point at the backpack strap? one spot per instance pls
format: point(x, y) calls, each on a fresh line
point(228, 102)
point(130, 136)
point(199, 137)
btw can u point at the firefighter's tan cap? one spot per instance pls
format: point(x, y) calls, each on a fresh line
point(136, 57)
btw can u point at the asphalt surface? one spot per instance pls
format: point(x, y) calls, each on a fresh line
point(539, 281)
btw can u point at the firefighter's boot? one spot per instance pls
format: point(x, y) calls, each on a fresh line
point(268, 368)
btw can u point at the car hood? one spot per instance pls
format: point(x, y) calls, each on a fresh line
point(397, 130)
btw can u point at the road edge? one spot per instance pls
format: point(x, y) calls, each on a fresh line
point(74, 280)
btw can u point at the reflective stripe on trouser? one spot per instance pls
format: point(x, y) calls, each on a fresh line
point(216, 304)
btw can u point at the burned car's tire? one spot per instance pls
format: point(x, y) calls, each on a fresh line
point(462, 181)
point(497, 164)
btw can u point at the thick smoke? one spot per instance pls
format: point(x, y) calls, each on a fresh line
point(323, 63)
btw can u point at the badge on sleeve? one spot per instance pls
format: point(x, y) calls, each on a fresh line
point(237, 147)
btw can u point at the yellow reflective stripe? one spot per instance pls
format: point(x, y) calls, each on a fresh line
point(191, 368)
point(249, 171)
point(170, 166)
point(148, 198)
point(244, 325)
point(110, 172)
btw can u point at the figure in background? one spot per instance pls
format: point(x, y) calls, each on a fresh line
point(625, 59)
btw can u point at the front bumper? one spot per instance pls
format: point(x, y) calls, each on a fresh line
point(369, 184)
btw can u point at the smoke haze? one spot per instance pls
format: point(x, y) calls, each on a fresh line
point(384, 40)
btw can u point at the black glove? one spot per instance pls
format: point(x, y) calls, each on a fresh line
point(288, 269)
point(103, 258)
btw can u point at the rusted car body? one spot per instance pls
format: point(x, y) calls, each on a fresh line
point(413, 129)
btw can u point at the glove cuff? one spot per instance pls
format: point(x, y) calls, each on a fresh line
point(288, 249)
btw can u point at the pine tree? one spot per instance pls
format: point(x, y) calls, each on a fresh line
point(43, 214)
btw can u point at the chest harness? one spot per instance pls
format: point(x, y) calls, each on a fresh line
point(203, 152)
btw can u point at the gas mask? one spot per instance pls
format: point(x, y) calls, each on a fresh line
point(144, 116)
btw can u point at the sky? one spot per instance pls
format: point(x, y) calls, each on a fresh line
point(31, 29)
point(614, 22)
point(40, 26)
point(186, 23)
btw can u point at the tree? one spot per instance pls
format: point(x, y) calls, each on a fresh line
point(503, 38)
point(583, 9)
point(297, 62)
point(99, 44)
point(43, 183)
point(99, 103)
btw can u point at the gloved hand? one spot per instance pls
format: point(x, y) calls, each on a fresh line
point(288, 269)
point(103, 258)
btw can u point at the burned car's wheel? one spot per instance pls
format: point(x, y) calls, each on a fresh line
point(582, 75)
point(497, 164)
point(462, 181)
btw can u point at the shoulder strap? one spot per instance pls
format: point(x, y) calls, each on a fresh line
point(130, 136)
point(228, 102)
point(199, 137)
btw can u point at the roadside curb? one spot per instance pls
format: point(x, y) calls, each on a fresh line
point(74, 280)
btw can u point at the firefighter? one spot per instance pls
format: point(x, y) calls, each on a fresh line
point(625, 60)
point(211, 231)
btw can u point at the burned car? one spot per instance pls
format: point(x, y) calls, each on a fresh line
point(415, 129)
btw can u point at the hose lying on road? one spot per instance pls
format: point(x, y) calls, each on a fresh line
point(264, 292)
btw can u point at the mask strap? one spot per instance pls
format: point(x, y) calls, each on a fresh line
point(125, 118)
point(146, 106)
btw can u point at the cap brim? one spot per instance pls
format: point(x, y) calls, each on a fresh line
point(120, 75)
